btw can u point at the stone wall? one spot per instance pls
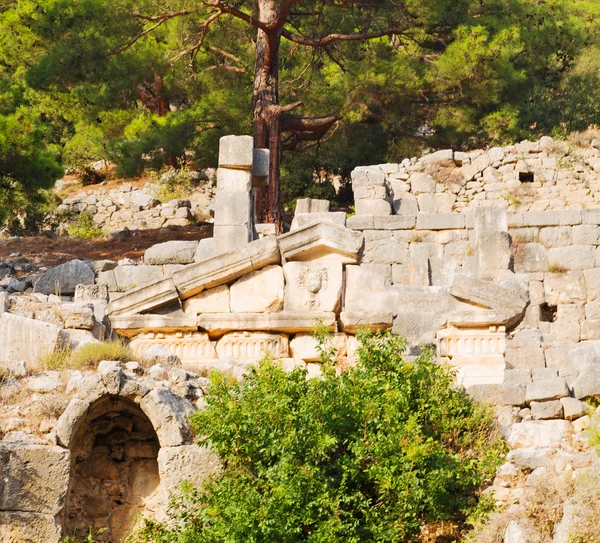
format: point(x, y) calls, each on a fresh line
point(528, 176)
point(138, 208)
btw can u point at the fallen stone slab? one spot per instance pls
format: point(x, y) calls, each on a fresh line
point(131, 325)
point(286, 321)
point(144, 298)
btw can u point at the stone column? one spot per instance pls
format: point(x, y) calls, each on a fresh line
point(233, 202)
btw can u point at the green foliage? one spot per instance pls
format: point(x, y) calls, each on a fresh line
point(368, 454)
point(173, 184)
point(85, 227)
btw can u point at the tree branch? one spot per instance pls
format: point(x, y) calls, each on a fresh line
point(199, 43)
point(319, 42)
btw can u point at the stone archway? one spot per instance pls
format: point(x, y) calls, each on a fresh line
point(114, 469)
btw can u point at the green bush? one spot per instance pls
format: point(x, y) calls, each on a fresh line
point(85, 227)
point(373, 453)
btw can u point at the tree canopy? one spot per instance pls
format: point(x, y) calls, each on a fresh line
point(141, 83)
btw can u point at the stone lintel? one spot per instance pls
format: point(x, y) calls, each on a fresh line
point(132, 325)
point(290, 322)
point(324, 241)
point(226, 267)
point(353, 321)
point(477, 319)
point(486, 294)
point(144, 298)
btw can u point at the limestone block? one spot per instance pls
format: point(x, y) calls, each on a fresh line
point(483, 370)
point(592, 283)
point(381, 248)
point(404, 203)
point(236, 152)
point(570, 313)
point(573, 257)
point(592, 310)
point(556, 236)
point(352, 322)
point(252, 345)
point(569, 216)
point(513, 394)
point(367, 176)
point(230, 237)
point(169, 417)
point(226, 267)
point(192, 347)
point(530, 258)
point(366, 291)
point(436, 203)
point(360, 222)
point(206, 249)
point(23, 527)
point(530, 458)
point(426, 299)
point(421, 182)
point(144, 298)
point(385, 270)
point(515, 533)
point(586, 234)
point(171, 252)
point(590, 216)
point(63, 279)
point(132, 277)
point(232, 207)
point(373, 207)
point(440, 221)
point(547, 410)
point(286, 321)
point(91, 293)
point(547, 389)
point(418, 327)
point(77, 315)
point(132, 325)
point(538, 434)
point(540, 218)
point(322, 241)
point(488, 294)
point(313, 286)
point(28, 339)
point(306, 219)
point(191, 464)
point(33, 478)
point(260, 166)
point(213, 300)
point(258, 291)
point(590, 330)
point(523, 357)
point(587, 383)
point(311, 205)
point(489, 219)
point(573, 408)
point(394, 222)
point(564, 288)
point(305, 347)
point(68, 422)
point(494, 251)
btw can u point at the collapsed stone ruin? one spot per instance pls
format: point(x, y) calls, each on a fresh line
point(508, 294)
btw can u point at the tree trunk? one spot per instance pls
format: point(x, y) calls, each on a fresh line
point(266, 112)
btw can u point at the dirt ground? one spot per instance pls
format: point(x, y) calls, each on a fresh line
point(54, 251)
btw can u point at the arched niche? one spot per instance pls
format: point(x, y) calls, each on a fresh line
point(114, 469)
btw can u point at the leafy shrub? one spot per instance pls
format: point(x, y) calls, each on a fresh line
point(85, 227)
point(369, 454)
point(174, 184)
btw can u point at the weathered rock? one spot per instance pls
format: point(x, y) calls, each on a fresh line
point(550, 433)
point(34, 478)
point(214, 300)
point(28, 340)
point(573, 408)
point(312, 205)
point(169, 417)
point(366, 291)
point(158, 354)
point(63, 279)
point(24, 527)
point(77, 315)
point(68, 422)
point(547, 389)
point(48, 381)
point(547, 410)
point(91, 293)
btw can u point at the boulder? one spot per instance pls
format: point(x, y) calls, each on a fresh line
point(546, 389)
point(169, 417)
point(546, 433)
point(63, 279)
